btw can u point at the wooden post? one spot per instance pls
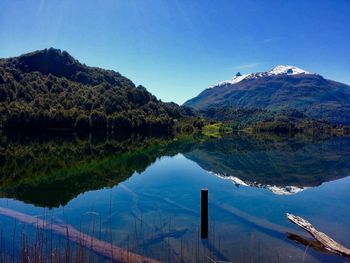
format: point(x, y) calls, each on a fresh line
point(204, 213)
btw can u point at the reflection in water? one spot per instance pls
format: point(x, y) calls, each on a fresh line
point(52, 171)
point(283, 165)
point(142, 193)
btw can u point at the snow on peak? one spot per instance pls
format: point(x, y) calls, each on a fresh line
point(236, 79)
point(278, 70)
point(289, 70)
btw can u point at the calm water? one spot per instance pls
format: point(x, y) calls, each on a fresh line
point(143, 193)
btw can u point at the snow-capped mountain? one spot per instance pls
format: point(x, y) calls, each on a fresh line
point(281, 88)
point(278, 70)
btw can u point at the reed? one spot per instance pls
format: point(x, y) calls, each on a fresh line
point(39, 241)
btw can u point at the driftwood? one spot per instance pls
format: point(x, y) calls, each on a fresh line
point(102, 248)
point(328, 243)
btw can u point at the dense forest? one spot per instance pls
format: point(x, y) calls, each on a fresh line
point(49, 89)
point(262, 120)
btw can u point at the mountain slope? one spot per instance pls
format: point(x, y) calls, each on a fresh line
point(284, 87)
point(49, 89)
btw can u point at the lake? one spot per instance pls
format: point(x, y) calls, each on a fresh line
point(143, 194)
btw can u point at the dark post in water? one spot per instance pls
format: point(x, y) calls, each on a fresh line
point(204, 213)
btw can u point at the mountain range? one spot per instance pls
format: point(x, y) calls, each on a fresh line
point(282, 88)
point(50, 89)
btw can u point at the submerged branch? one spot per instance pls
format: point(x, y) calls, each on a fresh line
point(102, 248)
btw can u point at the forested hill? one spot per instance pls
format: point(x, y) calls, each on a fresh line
point(49, 89)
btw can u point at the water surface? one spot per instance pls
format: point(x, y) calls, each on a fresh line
point(143, 193)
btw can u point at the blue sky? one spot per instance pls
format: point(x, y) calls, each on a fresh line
point(178, 48)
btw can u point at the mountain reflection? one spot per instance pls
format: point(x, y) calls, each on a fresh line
point(296, 162)
point(51, 171)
